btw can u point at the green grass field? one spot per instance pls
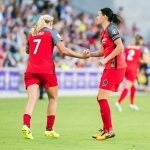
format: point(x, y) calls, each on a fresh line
point(77, 119)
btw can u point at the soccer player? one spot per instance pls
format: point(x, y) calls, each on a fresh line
point(41, 70)
point(134, 55)
point(111, 48)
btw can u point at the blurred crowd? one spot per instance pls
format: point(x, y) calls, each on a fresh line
point(78, 30)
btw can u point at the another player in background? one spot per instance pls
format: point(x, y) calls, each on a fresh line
point(111, 48)
point(134, 55)
point(41, 70)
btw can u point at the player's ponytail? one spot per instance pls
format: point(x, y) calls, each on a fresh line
point(34, 30)
point(42, 22)
point(116, 19)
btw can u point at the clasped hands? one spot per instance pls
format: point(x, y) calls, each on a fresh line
point(87, 53)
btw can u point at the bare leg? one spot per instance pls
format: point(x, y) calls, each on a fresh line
point(52, 93)
point(33, 93)
point(32, 99)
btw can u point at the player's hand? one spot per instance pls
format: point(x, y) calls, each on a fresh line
point(86, 53)
point(102, 62)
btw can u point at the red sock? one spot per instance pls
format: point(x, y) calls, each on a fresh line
point(50, 122)
point(123, 95)
point(132, 95)
point(26, 119)
point(105, 114)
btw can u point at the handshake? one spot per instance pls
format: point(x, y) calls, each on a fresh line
point(86, 53)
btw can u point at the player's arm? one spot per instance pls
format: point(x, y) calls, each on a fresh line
point(98, 53)
point(68, 52)
point(116, 51)
point(27, 48)
point(57, 40)
point(115, 36)
point(145, 59)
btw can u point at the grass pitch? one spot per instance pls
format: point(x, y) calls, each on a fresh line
point(77, 120)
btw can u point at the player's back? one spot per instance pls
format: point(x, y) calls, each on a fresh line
point(40, 52)
point(132, 57)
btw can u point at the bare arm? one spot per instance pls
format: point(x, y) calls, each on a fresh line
point(68, 52)
point(116, 51)
point(98, 53)
point(145, 58)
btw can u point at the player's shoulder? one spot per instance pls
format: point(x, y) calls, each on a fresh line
point(112, 29)
point(145, 50)
point(48, 30)
point(52, 31)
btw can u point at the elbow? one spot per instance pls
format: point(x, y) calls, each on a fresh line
point(27, 51)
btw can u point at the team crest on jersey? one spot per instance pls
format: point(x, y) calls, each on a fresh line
point(105, 82)
point(112, 63)
point(114, 31)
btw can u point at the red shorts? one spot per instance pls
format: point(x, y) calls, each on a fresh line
point(47, 80)
point(111, 79)
point(131, 75)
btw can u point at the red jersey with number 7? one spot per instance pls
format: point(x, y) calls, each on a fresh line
point(132, 57)
point(41, 51)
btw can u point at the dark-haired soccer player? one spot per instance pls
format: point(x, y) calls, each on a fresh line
point(111, 48)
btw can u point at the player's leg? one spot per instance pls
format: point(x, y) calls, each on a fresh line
point(32, 91)
point(132, 96)
point(52, 93)
point(107, 131)
point(124, 93)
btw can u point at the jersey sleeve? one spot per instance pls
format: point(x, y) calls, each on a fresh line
point(56, 37)
point(113, 32)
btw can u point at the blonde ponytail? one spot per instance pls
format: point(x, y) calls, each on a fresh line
point(42, 22)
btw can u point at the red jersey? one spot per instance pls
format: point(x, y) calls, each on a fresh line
point(107, 39)
point(132, 57)
point(41, 51)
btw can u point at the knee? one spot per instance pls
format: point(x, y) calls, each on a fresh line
point(53, 98)
point(101, 97)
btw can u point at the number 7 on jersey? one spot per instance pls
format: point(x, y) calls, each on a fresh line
point(37, 41)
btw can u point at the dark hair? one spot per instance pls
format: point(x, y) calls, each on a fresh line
point(116, 19)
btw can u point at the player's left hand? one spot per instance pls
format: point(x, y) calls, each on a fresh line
point(102, 62)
